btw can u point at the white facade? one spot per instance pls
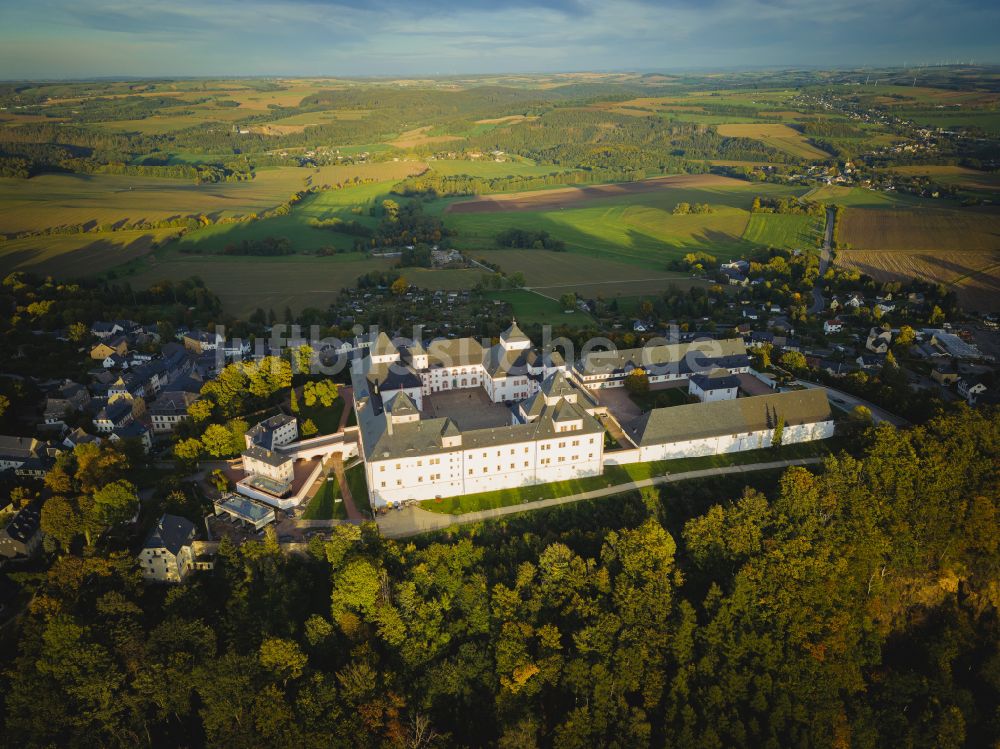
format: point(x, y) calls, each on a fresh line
point(734, 443)
point(281, 469)
point(160, 565)
point(710, 393)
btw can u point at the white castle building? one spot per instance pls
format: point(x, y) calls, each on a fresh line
point(553, 434)
point(454, 417)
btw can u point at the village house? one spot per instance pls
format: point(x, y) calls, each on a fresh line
point(871, 361)
point(22, 536)
point(169, 409)
point(23, 456)
point(167, 555)
point(833, 326)
point(879, 340)
point(972, 388)
point(944, 374)
point(68, 398)
point(108, 347)
point(102, 329)
point(274, 432)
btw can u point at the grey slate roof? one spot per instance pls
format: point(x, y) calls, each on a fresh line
point(717, 418)
point(679, 357)
point(717, 379)
point(172, 533)
point(264, 455)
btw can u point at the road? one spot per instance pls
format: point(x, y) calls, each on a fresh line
point(413, 520)
point(819, 304)
point(847, 402)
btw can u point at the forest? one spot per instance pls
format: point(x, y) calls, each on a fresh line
point(856, 606)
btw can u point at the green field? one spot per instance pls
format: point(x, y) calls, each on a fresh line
point(859, 197)
point(52, 200)
point(78, 255)
point(789, 232)
point(294, 226)
point(244, 284)
point(534, 309)
point(557, 273)
point(490, 168)
point(639, 228)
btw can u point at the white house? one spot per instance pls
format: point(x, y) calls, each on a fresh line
point(971, 389)
point(717, 385)
point(832, 326)
point(273, 432)
point(167, 555)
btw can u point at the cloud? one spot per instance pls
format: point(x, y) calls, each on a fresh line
point(391, 37)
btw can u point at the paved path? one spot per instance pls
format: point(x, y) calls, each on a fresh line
point(345, 491)
point(412, 521)
point(347, 393)
point(847, 402)
point(824, 262)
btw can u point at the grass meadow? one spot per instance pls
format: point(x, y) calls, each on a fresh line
point(787, 232)
point(638, 229)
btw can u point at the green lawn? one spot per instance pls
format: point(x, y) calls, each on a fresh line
point(326, 419)
point(324, 505)
point(662, 398)
point(789, 232)
point(614, 475)
point(358, 484)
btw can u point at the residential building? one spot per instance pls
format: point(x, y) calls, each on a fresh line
point(167, 555)
point(833, 326)
point(879, 340)
point(108, 347)
point(972, 388)
point(22, 536)
point(24, 456)
point(68, 398)
point(274, 432)
point(717, 385)
point(133, 430)
point(944, 375)
point(169, 409)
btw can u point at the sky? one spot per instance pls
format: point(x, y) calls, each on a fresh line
point(141, 38)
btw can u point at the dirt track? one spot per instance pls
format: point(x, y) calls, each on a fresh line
point(547, 200)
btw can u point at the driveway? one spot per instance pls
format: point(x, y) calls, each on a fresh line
point(847, 402)
point(819, 304)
